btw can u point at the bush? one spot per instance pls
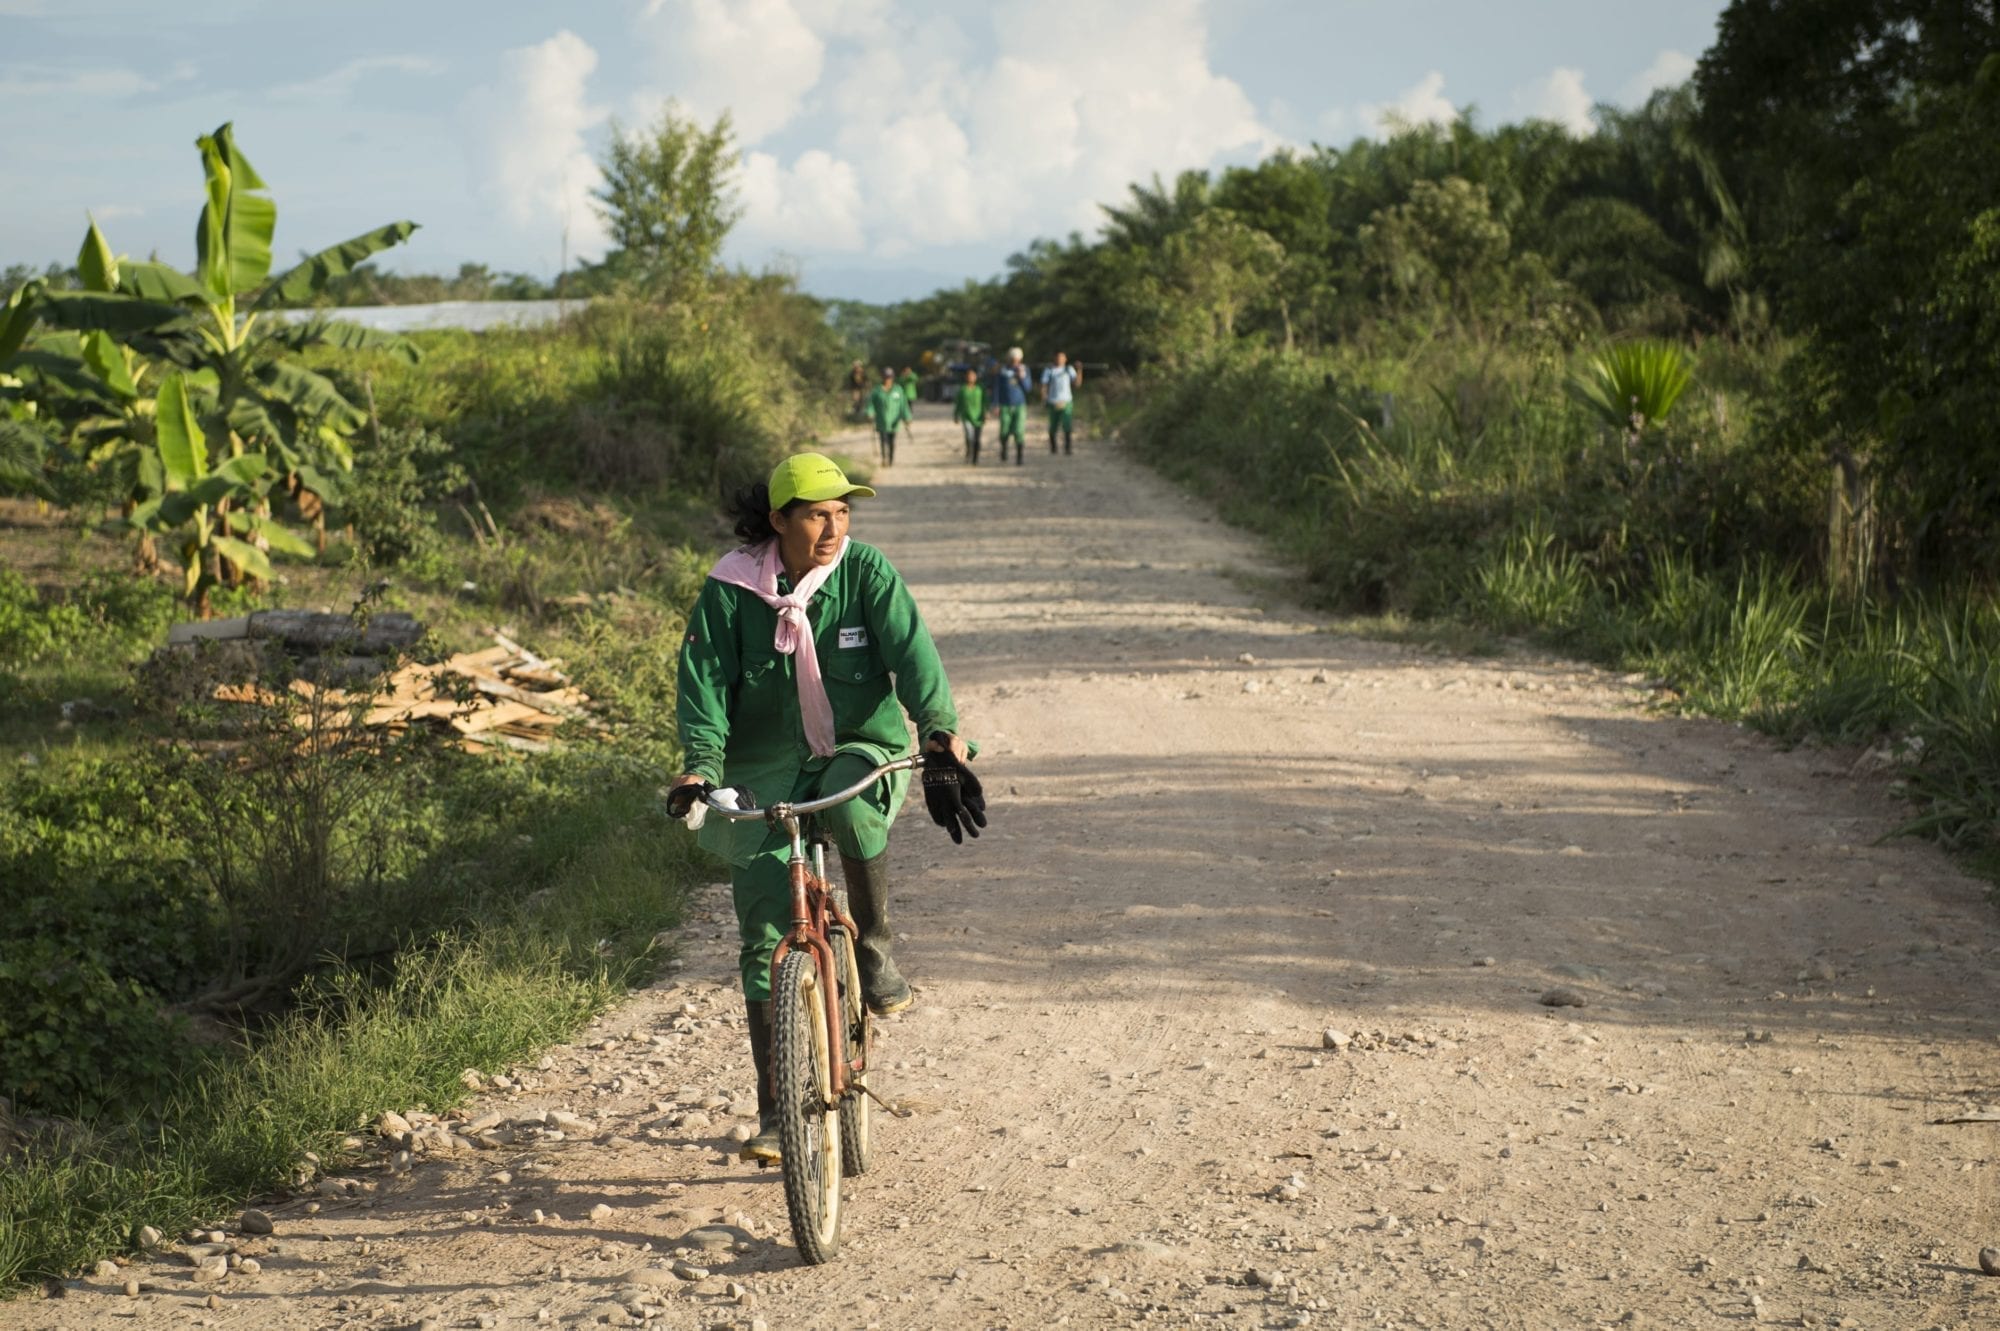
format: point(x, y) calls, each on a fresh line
point(105, 612)
point(106, 924)
point(390, 499)
point(556, 882)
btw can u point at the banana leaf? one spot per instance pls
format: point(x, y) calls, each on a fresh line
point(177, 434)
point(19, 317)
point(95, 264)
point(309, 395)
point(107, 360)
point(65, 370)
point(244, 555)
point(155, 281)
point(307, 279)
point(276, 535)
point(114, 312)
point(323, 332)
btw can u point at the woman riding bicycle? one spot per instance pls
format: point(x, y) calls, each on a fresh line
point(790, 715)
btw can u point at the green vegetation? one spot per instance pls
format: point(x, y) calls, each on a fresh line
point(1708, 393)
point(236, 935)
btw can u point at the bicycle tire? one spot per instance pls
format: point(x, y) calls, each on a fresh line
point(808, 1123)
point(855, 1143)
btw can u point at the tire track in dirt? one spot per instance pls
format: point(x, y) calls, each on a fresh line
point(1218, 831)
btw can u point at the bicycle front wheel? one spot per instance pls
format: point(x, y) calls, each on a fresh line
point(808, 1121)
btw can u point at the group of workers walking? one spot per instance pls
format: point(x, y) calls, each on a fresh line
point(1004, 393)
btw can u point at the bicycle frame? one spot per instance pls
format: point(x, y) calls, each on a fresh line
point(813, 904)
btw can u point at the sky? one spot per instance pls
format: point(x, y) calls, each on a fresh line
point(889, 147)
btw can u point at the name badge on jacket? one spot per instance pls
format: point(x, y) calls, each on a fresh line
point(854, 637)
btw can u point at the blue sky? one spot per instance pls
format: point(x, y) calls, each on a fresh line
point(890, 146)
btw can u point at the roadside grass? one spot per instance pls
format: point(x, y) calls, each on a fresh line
point(1441, 506)
point(252, 1118)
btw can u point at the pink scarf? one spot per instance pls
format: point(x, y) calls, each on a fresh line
point(755, 569)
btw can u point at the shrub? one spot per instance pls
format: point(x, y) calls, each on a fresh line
point(1633, 384)
point(390, 498)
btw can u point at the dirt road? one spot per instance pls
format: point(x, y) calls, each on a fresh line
point(1218, 834)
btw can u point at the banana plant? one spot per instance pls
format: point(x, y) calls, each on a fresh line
point(263, 395)
point(208, 513)
point(218, 327)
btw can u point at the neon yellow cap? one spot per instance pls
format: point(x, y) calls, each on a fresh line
point(812, 477)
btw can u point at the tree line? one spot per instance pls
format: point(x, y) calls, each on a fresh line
point(1827, 185)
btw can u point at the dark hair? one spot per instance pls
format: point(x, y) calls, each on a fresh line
point(750, 510)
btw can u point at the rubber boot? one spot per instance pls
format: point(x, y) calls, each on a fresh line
point(764, 1147)
point(882, 987)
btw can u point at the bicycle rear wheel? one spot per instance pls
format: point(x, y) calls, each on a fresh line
point(808, 1122)
point(854, 1109)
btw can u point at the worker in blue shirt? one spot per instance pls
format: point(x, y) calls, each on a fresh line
point(1010, 397)
point(1059, 383)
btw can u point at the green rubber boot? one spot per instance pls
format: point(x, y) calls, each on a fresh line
point(883, 987)
point(764, 1147)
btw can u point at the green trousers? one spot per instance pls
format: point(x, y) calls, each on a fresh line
point(763, 888)
point(1060, 419)
point(1013, 424)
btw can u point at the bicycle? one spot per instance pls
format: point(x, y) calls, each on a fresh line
point(820, 1029)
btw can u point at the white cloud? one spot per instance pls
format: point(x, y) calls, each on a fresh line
point(958, 137)
point(814, 204)
point(526, 140)
point(1559, 97)
point(1422, 103)
point(756, 59)
point(336, 84)
point(1669, 69)
point(935, 131)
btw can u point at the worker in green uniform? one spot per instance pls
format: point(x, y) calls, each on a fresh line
point(890, 408)
point(803, 652)
point(908, 383)
point(969, 410)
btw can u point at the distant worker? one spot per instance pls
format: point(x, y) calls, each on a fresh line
point(891, 410)
point(909, 386)
point(1059, 383)
point(969, 410)
point(1010, 395)
point(857, 389)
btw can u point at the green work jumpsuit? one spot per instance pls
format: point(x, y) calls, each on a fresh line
point(740, 726)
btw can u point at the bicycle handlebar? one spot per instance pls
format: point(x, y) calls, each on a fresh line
point(776, 813)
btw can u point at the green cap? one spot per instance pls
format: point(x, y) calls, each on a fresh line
point(812, 477)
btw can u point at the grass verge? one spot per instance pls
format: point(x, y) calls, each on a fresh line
point(246, 1121)
point(1492, 505)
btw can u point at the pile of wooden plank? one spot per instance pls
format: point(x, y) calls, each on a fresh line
point(502, 698)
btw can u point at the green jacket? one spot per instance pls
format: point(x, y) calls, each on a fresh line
point(908, 383)
point(739, 702)
point(889, 406)
point(970, 404)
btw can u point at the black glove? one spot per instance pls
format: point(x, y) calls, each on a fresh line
point(681, 798)
point(953, 794)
